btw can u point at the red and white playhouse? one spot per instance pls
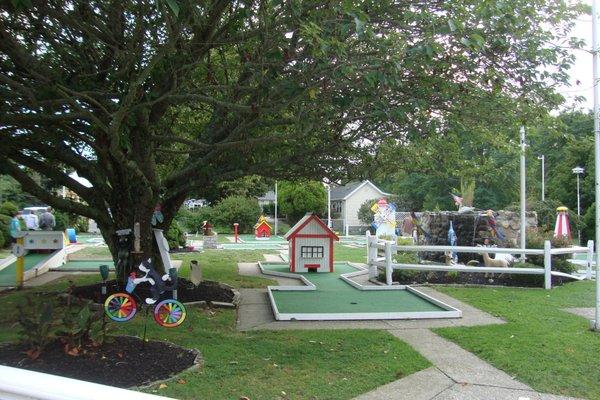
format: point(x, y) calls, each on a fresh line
point(311, 245)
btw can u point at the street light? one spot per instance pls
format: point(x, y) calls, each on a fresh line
point(578, 171)
point(543, 177)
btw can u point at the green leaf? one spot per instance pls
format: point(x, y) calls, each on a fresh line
point(451, 25)
point(173, 6)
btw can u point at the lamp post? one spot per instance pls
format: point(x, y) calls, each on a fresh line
point(595, 66)
point(543, 177)
point(578, 171)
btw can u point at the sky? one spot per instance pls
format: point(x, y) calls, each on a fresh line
point(581, 72)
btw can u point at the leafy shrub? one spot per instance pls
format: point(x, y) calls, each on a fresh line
point(175, 235)
point(536, 239)
point(5, 228)
point(365, 215)
point(8, 208)
point(80, 326)
point(81, 225)
point(191, 220)
point(243, 210)
point(62, 221)
point(3, 239)
point(36, 320)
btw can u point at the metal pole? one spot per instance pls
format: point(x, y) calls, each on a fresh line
point(578, 211)
point(596, 324)
point(275, 208)
point(523, 199)
point(542, 157)
point(329, 206)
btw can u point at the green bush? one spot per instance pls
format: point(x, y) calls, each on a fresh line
point(62, 221)
point(243, 210)
point(5, 229)
point(191, 220)
point(8, 208)
point(536, 239)
point(81, 225)
point(175, 236)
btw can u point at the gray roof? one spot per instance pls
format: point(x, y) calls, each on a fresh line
point(342, 192)
point(269, 196)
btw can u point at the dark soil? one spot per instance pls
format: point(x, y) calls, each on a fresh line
point(420, 277)
point(121, 363)
point(186, 291)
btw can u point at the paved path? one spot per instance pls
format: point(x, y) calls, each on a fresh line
point(456, 375)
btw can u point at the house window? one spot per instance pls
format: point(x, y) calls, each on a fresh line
point(311, 251)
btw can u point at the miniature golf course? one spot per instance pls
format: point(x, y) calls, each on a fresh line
point(8, 275)
point(86, 265)
point(334, 296)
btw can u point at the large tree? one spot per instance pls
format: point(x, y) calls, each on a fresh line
point(151, 99)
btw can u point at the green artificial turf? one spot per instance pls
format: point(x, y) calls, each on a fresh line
point(335, 296)
point(86, 265)
point(8, 275)
point(549, 349)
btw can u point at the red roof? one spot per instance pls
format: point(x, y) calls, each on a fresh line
point(295, 230)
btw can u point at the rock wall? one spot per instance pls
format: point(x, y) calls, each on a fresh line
point(472, 229)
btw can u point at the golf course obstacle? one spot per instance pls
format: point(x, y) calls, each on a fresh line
point(340, 296)
point(390, 248)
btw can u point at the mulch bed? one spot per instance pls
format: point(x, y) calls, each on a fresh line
point(186, 291)
point(121, 363)
point(466, 278)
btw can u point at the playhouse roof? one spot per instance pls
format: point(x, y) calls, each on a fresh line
point(294, 230)
point(259, 223)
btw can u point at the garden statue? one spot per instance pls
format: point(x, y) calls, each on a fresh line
point(123, 267)
point(452, 241)
point(157, 216)
point(158, 284)
point(207, 229)
point(384, 219)
point(496, 230)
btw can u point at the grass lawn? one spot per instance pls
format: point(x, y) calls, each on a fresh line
point(4, 253)
point(91, 253)
point(551, 350)
point(325, 364)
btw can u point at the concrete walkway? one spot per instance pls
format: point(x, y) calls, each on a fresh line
point(456, 374)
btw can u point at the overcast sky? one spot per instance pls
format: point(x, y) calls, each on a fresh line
point(581, 72)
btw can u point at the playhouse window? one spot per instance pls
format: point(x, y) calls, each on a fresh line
point(311, 251)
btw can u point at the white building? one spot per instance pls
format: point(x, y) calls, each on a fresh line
point(311, 245)
point(346, 200)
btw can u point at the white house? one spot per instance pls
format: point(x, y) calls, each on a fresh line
point(311, 245)
point(346, 200)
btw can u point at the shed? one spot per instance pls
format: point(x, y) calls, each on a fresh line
point(311, 245)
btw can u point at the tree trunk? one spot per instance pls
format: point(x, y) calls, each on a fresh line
point(121, 247)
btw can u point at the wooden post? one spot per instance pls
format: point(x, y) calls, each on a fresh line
point(20, 264)
point(388, 263)
point(590, 257)
point(547, 265)
point(372, 255)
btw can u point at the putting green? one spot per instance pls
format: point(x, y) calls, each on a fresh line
point(334, 296)
point(86, 265)
point(8, 275)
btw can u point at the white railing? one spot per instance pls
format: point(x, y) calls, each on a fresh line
point(21, 384)
point(389, 247)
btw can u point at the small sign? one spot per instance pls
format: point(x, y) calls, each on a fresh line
point(18, 250)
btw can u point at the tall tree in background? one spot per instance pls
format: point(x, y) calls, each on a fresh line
point(151, 99)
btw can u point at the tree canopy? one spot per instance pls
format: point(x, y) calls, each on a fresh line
point(151, 99)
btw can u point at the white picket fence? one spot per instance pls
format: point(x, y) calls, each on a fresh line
point(390, 248)
point(21, 384)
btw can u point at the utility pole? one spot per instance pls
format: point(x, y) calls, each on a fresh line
point(595, 49)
